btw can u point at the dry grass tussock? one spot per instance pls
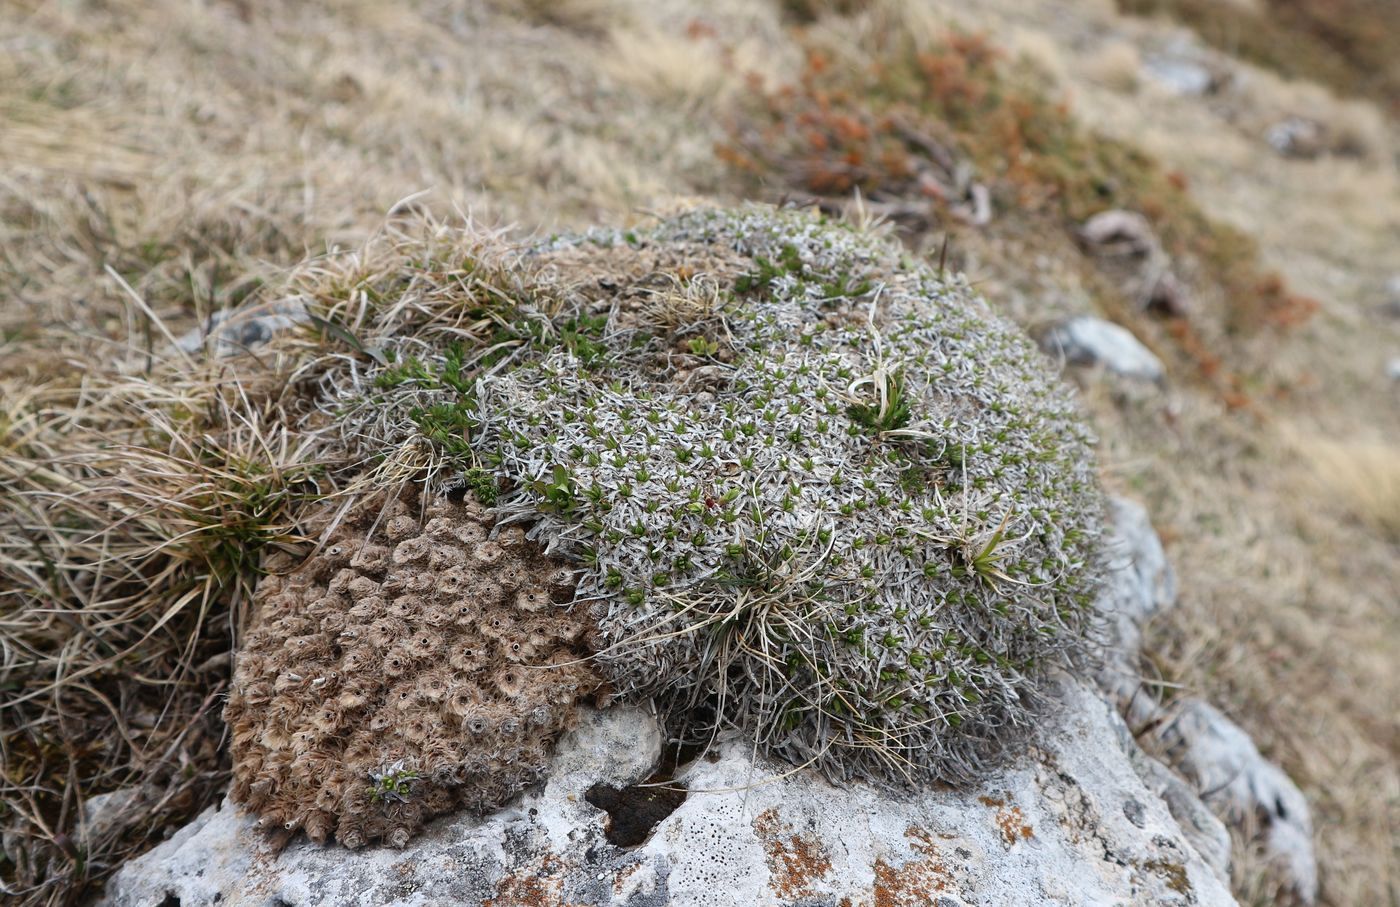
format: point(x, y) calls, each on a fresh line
point(194, 165)
point(136, 509)
point(140, 503)
point(1364, 475)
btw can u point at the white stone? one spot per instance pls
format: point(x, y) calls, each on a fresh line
point(110, 813)
point(1179, 75)
point(1071, 823)
point(1183, 66)
point(1092, 341)
point(232, 331)
point(1296, 137)
point(1119, 232)
point(1220, 760)
point(1139, 584)
point(1223, 771)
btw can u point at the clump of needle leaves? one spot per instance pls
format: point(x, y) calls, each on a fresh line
point(840, 506)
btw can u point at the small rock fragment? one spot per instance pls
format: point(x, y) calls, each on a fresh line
point(1089, 341)
point(232, 331)
point(1182, 68)
point(1297, 137)
point(1118, 233)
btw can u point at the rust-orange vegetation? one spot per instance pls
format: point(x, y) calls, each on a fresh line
point(912, 128)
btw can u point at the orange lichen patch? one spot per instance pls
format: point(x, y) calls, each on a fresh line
point(1174, 874)
point(922, 840)
point(916, 882)
point(532, 886)
point(1010, 820)
point(796, 862)
point(412, 666)
point(623, 874)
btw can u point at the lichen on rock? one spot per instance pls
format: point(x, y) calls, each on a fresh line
point(816, 492)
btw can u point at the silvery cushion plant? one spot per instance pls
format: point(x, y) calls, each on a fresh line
point(815, 492)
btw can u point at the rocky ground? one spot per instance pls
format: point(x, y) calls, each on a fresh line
point(1085, 818)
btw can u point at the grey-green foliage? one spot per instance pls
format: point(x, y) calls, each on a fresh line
point(869, 534)
point(857, 520)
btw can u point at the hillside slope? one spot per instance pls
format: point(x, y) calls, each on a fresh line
point(163, 161)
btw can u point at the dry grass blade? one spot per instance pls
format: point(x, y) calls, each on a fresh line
point(134, 514)
point(138, 501)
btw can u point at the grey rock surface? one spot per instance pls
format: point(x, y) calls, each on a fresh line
point(1297, 136)
point(1389, 306)
point(1120, 233)
point(1072, 824)
point(1138, 585)
point(1219, 760)
point(1218, 769)
point(110, 813)
point(1092, 341)
point(1182, 66)
point(232, 331)
point(1179, 75)
point(1202, 828)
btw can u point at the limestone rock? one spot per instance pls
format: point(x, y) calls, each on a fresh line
point(1389, 305)
point(1205, 832)
point(1119, 233)
point(1183, 67)
point(1298, 137)
point(1217, 757)
point(232, 331)
point(1071, 823)
point(111, 813)
point(1222, 770)
point(1094, 342)
point(1138, 584)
